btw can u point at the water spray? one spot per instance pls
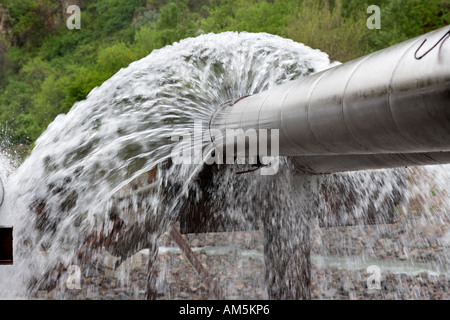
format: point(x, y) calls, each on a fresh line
point(386, 110)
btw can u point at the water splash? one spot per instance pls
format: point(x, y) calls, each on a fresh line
point(60, 198)
point(80, 184)
point(415, 239)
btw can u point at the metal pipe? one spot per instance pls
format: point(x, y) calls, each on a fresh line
point(332, 164)
point(394, 101)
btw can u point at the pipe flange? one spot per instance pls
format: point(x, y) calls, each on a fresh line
point(228, 104)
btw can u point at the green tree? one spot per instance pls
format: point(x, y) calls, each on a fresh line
point(402, 20)
point(320, 25)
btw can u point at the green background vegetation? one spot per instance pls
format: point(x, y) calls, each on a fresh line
point(45, 67)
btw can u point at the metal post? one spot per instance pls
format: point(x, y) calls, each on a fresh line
point(287, 257)
point(287, 245)
point(152, 274)
point(387, 109)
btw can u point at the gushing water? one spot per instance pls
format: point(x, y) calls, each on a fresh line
point(61, 195)
point(76, 193)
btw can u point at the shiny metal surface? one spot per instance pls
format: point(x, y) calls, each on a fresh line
point(383, 104)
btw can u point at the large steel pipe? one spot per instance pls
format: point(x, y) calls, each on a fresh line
point(394, 101)
point(332, 164)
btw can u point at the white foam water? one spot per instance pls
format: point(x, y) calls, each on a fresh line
point(61, 195)
point(62, 199)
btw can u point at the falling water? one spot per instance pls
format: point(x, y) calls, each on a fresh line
point(62, 194)
point(81, 182)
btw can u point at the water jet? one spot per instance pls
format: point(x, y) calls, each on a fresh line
point(74, 195)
